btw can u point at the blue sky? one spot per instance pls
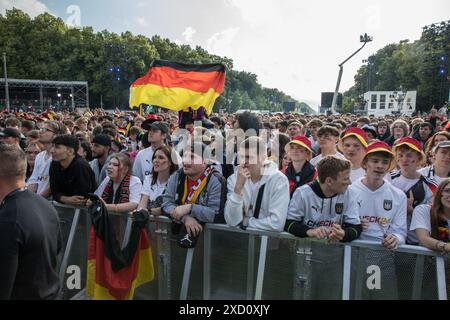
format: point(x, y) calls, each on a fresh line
point(291, 45)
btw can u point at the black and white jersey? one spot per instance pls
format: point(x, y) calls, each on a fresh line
point(310, 206)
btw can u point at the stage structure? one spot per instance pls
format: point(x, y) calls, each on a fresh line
point(76, 92)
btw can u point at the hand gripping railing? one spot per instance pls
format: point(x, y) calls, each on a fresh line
point(254, 291)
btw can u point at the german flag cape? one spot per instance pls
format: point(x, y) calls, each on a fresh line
point(177, 86)
point(114, 274)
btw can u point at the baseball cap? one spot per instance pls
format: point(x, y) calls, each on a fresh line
point(447, 126)
point(102, 139)
point(301, 141)
point(358, 133)
point(410, 142)
point(380, 146)
point(148, 122)
point(10, 132)
point(371, 129)
point(160, 126)
point(442, 144)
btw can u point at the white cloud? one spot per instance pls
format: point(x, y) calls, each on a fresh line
point(32, 7)
point(142, 22)
point(220, 43)
point(188, 33)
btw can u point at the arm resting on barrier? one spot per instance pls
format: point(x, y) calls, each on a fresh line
point(352, 232)
point(296, 228)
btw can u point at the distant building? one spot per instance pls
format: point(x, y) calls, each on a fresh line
point(381, 103)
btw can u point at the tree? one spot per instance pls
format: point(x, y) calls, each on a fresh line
point(46, 48)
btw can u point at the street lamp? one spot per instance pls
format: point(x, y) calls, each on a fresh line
point(364, 39)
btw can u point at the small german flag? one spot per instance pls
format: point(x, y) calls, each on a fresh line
point(123, 131)
point(177, 86)
point(114, 274)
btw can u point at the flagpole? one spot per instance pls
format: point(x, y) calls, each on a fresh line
point(6, 82)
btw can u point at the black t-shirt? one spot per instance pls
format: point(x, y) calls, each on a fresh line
point(30, 240)
point(77, 179)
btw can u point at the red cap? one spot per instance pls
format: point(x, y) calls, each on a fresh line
point(380, 146)
point(358, 133)
point(152, 117)
point(301, 141)
point(447, 126)
point(410, 142)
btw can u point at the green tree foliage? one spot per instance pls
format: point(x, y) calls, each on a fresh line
point(410, 66)
point(46, 48)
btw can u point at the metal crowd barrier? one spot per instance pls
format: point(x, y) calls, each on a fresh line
point(230, 263)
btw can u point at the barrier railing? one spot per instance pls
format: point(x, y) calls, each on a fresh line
point(230, 263)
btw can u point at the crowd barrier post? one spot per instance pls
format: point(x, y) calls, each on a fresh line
point(68, 249)
point(250, 266)
point(440, 278)
point(418, 277)
point(164, 265)
point(346, 272)
point(261, 268)
point(186, 274)
point(206, 264)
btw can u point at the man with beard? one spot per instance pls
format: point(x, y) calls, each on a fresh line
point(196, 193)
point(101, 146)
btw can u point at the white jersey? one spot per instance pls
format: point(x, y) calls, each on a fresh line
point(135, 189)
point(422, 218)
point(143, 164)
point(40, 175)
point(310, 206)
point(385, 208)
point(152, 190)
point(422, 195)
point(428, 172)
point(314, 161)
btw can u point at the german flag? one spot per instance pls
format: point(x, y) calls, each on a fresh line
point(114, 274)
point(177, 86)
point(123, 131)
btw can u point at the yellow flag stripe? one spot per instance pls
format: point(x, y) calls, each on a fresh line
point(146, 273)
point(172, 98)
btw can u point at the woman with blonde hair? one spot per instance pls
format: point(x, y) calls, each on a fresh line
point(120, 190)
point(399, 129)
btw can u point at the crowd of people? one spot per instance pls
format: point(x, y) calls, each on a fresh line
point(336, 177)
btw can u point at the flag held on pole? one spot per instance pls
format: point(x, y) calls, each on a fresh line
point(177, 86)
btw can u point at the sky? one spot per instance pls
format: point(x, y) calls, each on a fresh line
point(292, 45)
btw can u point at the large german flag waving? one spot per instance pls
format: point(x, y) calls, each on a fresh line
point(177, 86)
point(114, 274)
